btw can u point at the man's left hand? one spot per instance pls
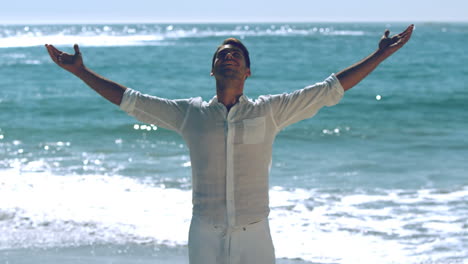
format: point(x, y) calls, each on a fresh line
point(391, 44)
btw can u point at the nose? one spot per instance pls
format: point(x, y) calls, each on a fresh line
point(229, 55)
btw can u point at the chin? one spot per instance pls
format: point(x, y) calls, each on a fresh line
point(229, 73)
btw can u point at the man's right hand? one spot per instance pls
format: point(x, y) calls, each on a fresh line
point(108, 89)
point(72, 63)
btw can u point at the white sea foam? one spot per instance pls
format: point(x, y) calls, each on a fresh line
point(60, 40)
point(38, 209)
point(358, 228)
point(143, 35)
point(91, 209)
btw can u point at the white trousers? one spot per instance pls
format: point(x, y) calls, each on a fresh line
point(250, 244)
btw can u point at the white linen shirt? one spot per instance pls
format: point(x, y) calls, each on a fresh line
point(231, 151)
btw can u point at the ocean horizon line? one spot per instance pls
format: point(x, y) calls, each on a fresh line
point(115, 22)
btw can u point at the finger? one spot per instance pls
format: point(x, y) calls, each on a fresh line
point(54, 49)
point(387, 32)
point(77, 49)
point(401, 41)
point(56, 54)
point(406, 38)
point(52, 55)
point(403, 34)
point(49, 49)
point(407, 34)
point(408, 30)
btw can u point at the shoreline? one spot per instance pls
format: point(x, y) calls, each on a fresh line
point(121, 254)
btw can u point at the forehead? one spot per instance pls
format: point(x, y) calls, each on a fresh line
point(229, 47)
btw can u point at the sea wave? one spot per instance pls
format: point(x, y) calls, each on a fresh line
point(38, 209)
point(138, 35)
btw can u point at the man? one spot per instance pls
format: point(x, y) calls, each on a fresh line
point(230, 140)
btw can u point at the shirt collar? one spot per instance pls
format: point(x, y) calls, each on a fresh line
point(242, 99)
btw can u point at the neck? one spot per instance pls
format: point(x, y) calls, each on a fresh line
point(229, 91)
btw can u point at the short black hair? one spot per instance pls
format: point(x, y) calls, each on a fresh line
point(236, 43)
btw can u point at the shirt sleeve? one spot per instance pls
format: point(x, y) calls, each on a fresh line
point(166, 113)
point(289, 108)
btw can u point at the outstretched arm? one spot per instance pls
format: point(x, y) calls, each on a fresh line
point(110, 90)
point(352, 75)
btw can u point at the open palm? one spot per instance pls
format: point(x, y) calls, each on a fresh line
point(69, 62)
point(394, 43)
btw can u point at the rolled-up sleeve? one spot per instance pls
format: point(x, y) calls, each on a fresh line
point(289, 108)
point(170, 114)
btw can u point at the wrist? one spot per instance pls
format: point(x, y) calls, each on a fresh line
point(383, 53)
point(79, 71)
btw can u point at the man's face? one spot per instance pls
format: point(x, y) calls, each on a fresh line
point(230, 63)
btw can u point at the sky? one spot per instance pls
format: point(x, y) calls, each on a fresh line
point(96, 11)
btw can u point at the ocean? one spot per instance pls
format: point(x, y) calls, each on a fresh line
point(379, 178)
